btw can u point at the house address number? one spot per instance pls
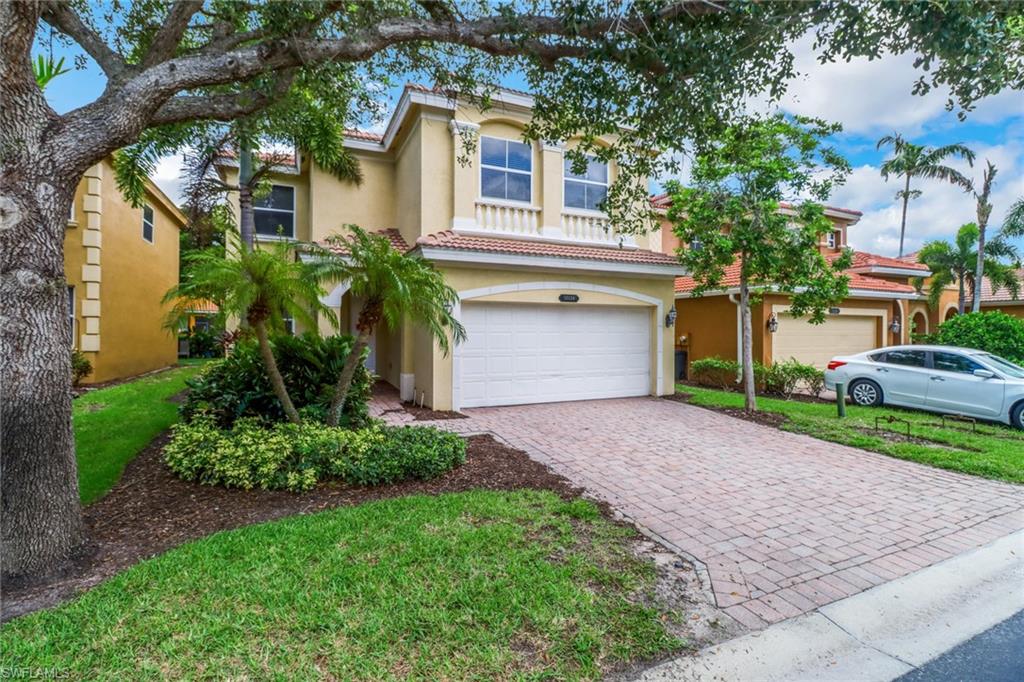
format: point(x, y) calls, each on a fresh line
point(569, 298)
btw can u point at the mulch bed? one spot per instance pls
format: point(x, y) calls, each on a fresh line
point(771, 419)
point(425, 414)
point(150, 511)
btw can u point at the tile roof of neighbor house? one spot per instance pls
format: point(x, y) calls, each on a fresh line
point(363, 135)
point(662, 201)
point(1002, 295)
point(863, 259)
point(392, 235)
point(858, 282)
point(452, 240)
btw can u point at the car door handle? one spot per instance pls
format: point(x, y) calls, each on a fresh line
point(937, 379)
point(881, 369)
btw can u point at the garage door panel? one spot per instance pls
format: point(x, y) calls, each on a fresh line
point(518, 354)
point(817, 344)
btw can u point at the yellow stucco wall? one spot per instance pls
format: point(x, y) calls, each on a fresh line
point(120, 278)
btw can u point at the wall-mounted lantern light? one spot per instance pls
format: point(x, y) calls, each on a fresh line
point(773, 323)
point(895, 327)
point(670, 319)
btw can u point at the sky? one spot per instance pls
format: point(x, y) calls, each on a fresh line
point(869, 99)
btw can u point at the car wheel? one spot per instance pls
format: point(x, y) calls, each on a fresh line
point(866, 393)
point(1017, 416)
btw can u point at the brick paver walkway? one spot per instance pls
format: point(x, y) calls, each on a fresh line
point(783, 523)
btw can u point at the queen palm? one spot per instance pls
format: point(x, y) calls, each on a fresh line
point(395, 288)
point(911, 161)
point(262, 286)
point(954, 263)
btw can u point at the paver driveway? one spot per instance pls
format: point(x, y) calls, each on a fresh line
point(782, 522)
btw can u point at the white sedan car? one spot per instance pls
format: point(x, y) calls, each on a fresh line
point(935, 378)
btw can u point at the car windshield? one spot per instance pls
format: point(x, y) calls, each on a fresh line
point(1004, 366)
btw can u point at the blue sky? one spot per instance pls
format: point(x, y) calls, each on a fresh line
point(869, 98)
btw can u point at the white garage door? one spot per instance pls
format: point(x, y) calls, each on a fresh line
point(516, 354)
point(816, 344)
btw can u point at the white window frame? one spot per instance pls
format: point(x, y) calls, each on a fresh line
point(72, 310)
point(832, 239)
point(289, 325)
point(151, 223)
point(71, 212)
point(505, 169)
point(292, 211)
point(605, 184)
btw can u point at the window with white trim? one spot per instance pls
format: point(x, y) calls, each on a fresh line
point(586, 190)
point(275, 213)
point(289, 325)
point(832, 239)
point(147, 223)
point(506, 169)
point(71, 211)
point(71, 315)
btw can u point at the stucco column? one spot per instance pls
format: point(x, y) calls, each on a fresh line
point(92, 242)
point(551, 189)
point(464, 173)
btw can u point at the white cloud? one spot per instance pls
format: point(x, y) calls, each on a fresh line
point(168, 176)
point(871, 97)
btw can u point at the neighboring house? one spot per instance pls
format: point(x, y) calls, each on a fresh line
point(556, 305)
point(119, 261)
point(1002, 299)
point(881, 295)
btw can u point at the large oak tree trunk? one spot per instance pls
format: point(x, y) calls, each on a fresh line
point(40, 513)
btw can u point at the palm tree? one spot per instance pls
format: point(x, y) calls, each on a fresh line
point(911, 161)
point(263, 286)
point(955, 263)
point(984, 211)
point(396, 288)
point(1013, 223)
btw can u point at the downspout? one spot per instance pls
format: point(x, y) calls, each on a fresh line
point(739, 337)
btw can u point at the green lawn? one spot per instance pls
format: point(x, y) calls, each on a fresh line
point(113, 424)
point(477, 585)
point(993, 452)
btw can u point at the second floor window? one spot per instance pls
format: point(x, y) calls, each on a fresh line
point(275, 213)
point(505, 169)
point(586, 190)
point(832, 239)
point(147, 223)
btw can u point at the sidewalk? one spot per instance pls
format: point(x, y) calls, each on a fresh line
point(879, 634)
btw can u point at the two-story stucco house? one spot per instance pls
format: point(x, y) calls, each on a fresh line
point(119, 261)
point(882, 308)
point(556, 305)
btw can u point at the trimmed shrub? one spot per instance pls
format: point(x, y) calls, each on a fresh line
point(80, 367)
point(779, 378)
point(995, 332)
point(238, 387)
point(715, 372)
point(784, 378)
point(284, 456)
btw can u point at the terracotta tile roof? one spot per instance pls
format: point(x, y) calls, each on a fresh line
point(452, 240)
point(863, 259)
point(663, 201)
point(858, 282)
point(1002, 295)
point(203, 307)
point(393, 236)
point(363, 135)
point(278, 158)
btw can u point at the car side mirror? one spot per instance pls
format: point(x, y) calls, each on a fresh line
point(984, 373)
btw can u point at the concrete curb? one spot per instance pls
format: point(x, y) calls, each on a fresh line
point(878, 634)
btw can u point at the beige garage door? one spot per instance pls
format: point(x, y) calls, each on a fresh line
point(816, 344)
